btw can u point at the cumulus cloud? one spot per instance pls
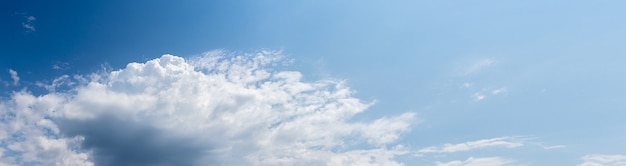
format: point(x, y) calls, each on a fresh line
point(603, 160)
point(486, 161)
point(30, 136)
point(505, 142)
point(14, 76)
point(217, 109)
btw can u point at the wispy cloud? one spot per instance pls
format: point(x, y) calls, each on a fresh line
point(471, 161)
point(63, 80)
point(479, 65)
point(28, 23)
point(486, 92)
point(505, 142)
point(14, 76)
point(498, 91)
point(61, 66)
point(553, 147)
point(601, 159)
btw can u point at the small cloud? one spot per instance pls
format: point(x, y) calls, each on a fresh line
point(554, 147)
point(479, 65)
point(506, 142)
point(28, 23)
point(471, 161)
point(498, 91)
point(64, 80)
point(14, 76)
point(601, 159)
point(478, 97)
point(61, 66)
point(486, 92)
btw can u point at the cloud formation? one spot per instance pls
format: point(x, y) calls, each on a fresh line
point(217, 109)
point(483, 93)
point(14, 76)
point(28, 23)
point(479, 65)
point(506, 142)
point(601, 160)
point(486, 161)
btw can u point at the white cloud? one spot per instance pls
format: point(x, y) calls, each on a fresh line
point(14, 76)
point(28, 23)
point(29, 136)
point(63, 80)
point(603, 160)
point(488, 92)
point(486, 161)
point(478, 96)
point(498, 91)
point(505, 142)
point(553, 147)
point(218, 108)
point(479, 65)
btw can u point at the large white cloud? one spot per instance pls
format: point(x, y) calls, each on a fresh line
point(217, 108)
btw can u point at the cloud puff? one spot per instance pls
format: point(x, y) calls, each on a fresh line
point(506, 142)
point(217, 109)
point(600, 160)
point(486, 161)
point(478, 96)
point(14, 76)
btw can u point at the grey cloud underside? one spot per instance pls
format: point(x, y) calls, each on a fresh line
point(118, 141)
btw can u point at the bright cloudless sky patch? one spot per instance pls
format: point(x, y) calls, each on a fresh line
point(546, 73)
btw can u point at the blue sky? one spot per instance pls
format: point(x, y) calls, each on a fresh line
point(515, 82)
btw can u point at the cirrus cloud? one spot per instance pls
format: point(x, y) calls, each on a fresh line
point(485, 161)
point(603, 159)
point(505, 142)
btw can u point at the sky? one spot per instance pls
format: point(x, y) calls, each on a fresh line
point(277, 82)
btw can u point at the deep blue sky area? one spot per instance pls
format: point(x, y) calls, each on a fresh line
point(553, 71)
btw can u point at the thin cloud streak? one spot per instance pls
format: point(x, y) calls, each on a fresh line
point(479, 65)
point(472, 161)
point(602, 159)
point(505, 142)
